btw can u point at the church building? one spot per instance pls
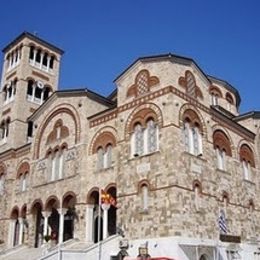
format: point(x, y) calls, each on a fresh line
point(165, 160)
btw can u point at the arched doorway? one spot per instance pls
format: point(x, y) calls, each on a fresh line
point(69, 203)
point(24, 228)
point(15, 227)
point(96, 218)
point(204, 257)
point(38, 220)
point(112, 212)
point(52, 206)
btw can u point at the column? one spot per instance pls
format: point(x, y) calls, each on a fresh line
point(48, 62)
point(21, 226)
point(33, 92)
point(42, 93)
point(41, 61)
point(46, 215)
point(13, 89)
point(105, 207)
point(62, 212)
point(11, 233)
point(89, 223)
point(34, 56)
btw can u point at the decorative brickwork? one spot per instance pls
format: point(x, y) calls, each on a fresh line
point(214, 90)
point(188, 82)
point(220, 140)
point(247, 154)
point(143, 83)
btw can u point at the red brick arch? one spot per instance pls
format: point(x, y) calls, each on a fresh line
point(215, 90)
point(52, 199)
point(229, 98)
point(14, 212)
point(190, 112)
point(90, 193)
point(141, 114)
point(246, 153)
point(149, 82)
point(142, 183)
point(221, 141)
point(36, 202)
point(23, 168)
point(63, 108)
point(103, 140)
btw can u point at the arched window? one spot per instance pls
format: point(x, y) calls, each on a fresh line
point(2, 180)
point(144, 140)
point(23, 176)
point(31, 55)
point(247, 159)
point(9, 91)
point(103, 147)
point(4, 129)
point(37, 92)
point(221, 158)
point(193, 138)
point(49, 166)
point(138, 140)
point(38, 56)
point(222, 147)
point(197, 197)
point(30, 89)
point(144, 190)
point(108, 156)
point(152, 136)
point(61, 162)
point(100, 158)
point(52, 62)
point(215, 94)
point(246, 170)
point(214, 99)
point(56, 163)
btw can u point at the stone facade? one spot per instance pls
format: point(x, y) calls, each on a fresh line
point(77, 142)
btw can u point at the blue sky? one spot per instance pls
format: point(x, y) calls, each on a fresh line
point(101, 38)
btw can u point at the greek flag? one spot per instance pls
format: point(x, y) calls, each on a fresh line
point(222, 222)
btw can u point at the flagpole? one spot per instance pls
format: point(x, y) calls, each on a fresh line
point(99, 224)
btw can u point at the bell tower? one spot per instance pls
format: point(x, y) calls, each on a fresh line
point(30, 75)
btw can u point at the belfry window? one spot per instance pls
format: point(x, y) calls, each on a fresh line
point(4, 129)
point(9, 91)
point(37, 92)
point(40, 59)
point(13, 58)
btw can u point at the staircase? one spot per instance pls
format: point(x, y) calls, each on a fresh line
point(82, 251)
point(70, 250)
point(21, 253)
